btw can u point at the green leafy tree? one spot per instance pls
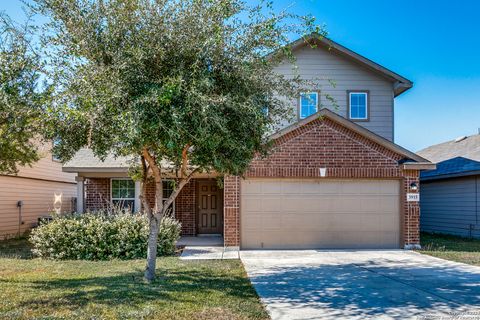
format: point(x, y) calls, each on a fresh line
point(20, 98)
point(184, 84)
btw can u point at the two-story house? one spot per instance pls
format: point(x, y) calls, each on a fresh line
point(334, 178)
point(35, 192)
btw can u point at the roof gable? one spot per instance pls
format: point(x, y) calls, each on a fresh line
point(401, 84)
point(408, 155)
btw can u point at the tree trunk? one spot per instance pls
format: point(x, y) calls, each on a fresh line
point(152, 248)
point(155, 216)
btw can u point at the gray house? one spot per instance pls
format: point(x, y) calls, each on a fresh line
point(450, 198)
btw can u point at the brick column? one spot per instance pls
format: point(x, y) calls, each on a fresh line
point(80, 195)
point(231, 211)
point(411, 231)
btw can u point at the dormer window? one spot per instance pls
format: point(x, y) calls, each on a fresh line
point(358, 105)
point(308, 104)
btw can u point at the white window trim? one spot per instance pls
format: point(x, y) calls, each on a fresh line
point(111, 191)
point(300, 103)
point(350, 104)
point(136, 199)
point(173, 204)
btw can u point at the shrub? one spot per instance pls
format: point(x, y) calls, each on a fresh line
point(101, 236)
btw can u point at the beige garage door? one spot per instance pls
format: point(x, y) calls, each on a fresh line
point(296, 214)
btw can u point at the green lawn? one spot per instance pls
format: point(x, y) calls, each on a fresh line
point(451, 248)
point(44, 289)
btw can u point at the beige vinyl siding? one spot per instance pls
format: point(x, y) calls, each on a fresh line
point(40, 198)
point(320, 63)
point(46, 168)
point(43, 188)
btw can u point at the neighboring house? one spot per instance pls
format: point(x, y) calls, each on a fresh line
point(334, 178)
point(450, 200)
point(34, 192)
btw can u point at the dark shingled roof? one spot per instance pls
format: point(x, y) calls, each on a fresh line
point(455, 167)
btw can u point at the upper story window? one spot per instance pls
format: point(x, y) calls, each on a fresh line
point(308, 104)
point(123, 193)
point(358, 105)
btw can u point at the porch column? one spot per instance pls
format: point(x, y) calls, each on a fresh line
point(231, 212)
point(411, 229)
point(80, 194)
point(137, 204)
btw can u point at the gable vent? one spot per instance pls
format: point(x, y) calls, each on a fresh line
point(460, 138)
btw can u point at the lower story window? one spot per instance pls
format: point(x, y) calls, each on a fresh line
point(168, 186)
point(123, 193)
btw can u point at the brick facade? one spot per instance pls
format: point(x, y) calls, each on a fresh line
point(323, 143)
point(301, 153)
point(231, 211)
point(184, 206)
point(97, 193)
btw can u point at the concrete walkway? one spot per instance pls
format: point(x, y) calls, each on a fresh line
point(205, 248)
point(393, 284)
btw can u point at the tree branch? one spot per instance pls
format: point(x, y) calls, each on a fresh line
point(143, 193)
point(184, 160)
point(152, 164)
point(157, 174)
point(177, 190)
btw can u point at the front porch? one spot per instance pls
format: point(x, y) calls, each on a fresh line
point(201, 241)
point(206, 248)
point(198, 207)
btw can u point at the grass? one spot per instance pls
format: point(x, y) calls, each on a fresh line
point(15, 248)
point(450, 247)
point(46, 289)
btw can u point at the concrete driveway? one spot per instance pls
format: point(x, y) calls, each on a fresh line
point(393, 284)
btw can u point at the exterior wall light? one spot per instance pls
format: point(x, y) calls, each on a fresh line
point(413, 186)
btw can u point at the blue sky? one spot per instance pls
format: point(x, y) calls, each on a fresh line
point(436, 44)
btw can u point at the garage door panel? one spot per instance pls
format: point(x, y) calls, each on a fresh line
point(310, 240)
point(379, 204)
point(253, 204)
point(308, 203)
point(292, 214)
point(313, 188)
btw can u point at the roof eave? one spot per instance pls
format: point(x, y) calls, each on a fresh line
point(95, 169)
point(450, 175)
point(400, 87)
